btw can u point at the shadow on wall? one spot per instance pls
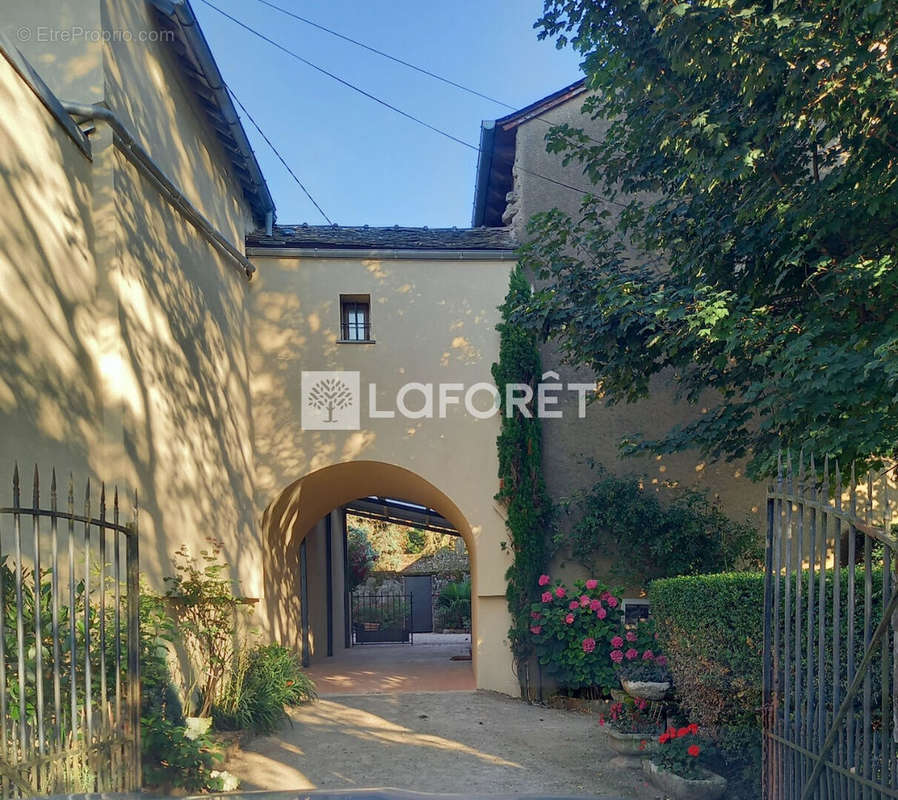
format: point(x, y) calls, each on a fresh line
point(291, 516)
point(122, 340)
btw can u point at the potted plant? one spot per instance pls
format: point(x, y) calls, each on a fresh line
point(676, 766)
point(642, 670)
point(630, 728)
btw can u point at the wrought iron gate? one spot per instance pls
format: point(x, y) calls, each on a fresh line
point(379, 618)
point(69, 646)
point(830, 660)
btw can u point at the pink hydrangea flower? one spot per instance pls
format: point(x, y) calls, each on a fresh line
point(631, 636)
point(648, 655)
point(560, 592)
point(546, 597)
point(601, 613)
point(631, 654)
point(595, 605)
point(574, 604)
point(535, 615)
point(584, 600)
point(605, 595)
point(617, 643)
point(589, 644)
point(569, 619)
point(592, 583)
point(537, 629)
point(661, 661)
point(612, 601)
point(617, 656)
point(544, 580)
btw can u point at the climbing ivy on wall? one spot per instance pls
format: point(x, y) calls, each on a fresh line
point(522, 488)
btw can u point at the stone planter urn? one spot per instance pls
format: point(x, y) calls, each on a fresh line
point(709, 787)
point(647, 690)
point(629, 748)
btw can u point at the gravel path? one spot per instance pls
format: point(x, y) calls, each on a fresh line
point(458, 742)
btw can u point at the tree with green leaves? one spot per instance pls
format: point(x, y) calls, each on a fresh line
point(742, 235)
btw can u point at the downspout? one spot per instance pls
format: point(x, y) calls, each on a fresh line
point(137, 154)
point(269, 223)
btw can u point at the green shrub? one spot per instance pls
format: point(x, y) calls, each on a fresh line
point(689, 536)
point(172, 760)
point(361, 556)
point(711, 627)
point(454, 604)
point(263, 682)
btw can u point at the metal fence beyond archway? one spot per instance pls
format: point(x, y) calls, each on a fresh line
point(69, 644)
point(830, 619)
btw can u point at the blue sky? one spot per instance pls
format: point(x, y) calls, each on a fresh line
point(363, 163)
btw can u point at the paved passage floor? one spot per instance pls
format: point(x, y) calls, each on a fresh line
point(426, 666)
point(459, 742)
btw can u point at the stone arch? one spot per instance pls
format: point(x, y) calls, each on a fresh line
point(301, 504)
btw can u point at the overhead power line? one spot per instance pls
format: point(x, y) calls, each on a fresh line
point(386, 104)
point(369, 48)
point(277, 153)
point(337, 78)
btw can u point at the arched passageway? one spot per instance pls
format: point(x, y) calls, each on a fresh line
point(310, 510)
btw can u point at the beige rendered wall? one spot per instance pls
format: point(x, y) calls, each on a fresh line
point(434, 321)
point(569, 442)
point(50, 403)
point(124, 335)
point(145, 86)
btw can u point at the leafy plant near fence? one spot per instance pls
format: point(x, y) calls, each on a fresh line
point(522, 488)
point(711, 627)
point(262, 682)
point(207, 612)
point(651, 540)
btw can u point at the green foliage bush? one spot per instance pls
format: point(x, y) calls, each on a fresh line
point(207, 608)
point(650, 540)
point(572, 630)
point(522, 488)
point(454, 604)
point(361, 556)
point(711, 627)
point(263, 681)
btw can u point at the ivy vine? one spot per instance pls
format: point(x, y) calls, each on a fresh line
point(522, 489)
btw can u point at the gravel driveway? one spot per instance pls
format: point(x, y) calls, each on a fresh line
point(446, 742)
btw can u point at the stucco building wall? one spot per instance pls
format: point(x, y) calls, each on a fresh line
point(569, 442)
point(433, 321)
point(124, 331)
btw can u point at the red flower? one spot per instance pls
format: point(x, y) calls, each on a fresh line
point(683, 732)
point(536, 629)
point(546, 597)
point(560, 592)
point(664, 738)
point(642, 744)
point(694, 750)
point(543, 580)
point(569, 619)
point(693, 728)
point(631, 654)
point(574, 604)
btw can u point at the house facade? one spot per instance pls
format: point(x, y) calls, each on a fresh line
point(157, 327)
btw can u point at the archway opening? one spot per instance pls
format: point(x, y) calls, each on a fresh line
point(386, 630)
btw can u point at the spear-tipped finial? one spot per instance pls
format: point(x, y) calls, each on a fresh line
point(35, 491)
point(15, 484)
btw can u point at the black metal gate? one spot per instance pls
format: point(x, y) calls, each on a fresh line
point(69, 646)
point(379, 618)
point(831, 613)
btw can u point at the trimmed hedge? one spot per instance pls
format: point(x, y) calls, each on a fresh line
point(712, 629)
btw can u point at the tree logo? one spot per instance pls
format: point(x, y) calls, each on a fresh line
point(330, 401)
